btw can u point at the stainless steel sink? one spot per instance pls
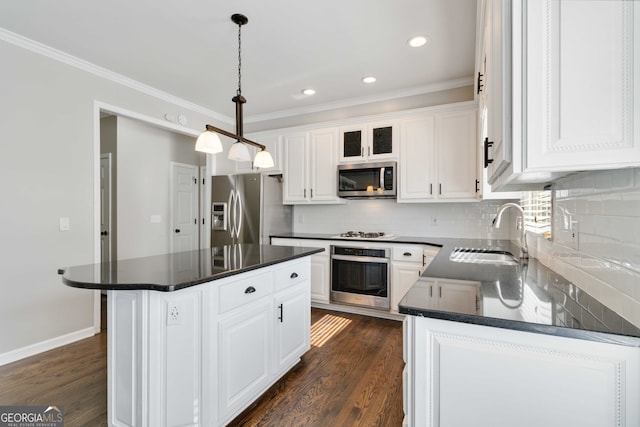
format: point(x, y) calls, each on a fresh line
point(482, 256)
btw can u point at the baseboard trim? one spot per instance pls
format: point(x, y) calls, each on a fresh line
point(41, 347)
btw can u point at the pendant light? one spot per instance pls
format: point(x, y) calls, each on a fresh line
point(209, 142)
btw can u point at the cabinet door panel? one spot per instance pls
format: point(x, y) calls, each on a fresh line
point(244, 355)
point(417, 171)
point(323, 185)
point(295, 181)
point(292, 328)
point(456, 154)
point(320, 278)
point(580, 110)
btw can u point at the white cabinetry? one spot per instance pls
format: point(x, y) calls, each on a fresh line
point(244, 356)
point(310, 167)
point(371, 141)
point(407, 264)
point(200, 356)
point(555, 381)
point(555, 104)
point(438, 156)
point(320, 268)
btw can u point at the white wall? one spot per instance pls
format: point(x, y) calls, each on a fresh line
point(408, 219)
point(596, 237)
point(48, 164)
point(143, 176)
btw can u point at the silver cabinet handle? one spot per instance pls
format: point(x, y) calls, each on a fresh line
point(305, 193)
point(440, 190)
point(239, 207)
point(430, 188)
point(312, 193)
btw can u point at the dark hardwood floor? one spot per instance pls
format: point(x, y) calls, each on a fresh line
point(352, 376)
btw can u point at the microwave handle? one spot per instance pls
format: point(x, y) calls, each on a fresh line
point(382, 178)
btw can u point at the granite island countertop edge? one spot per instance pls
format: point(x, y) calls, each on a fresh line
point(69, 279)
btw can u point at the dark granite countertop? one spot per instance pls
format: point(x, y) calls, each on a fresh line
point(172, 272)
point(528, 297)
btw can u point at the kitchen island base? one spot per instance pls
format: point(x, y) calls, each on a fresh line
point(201, 355)
point(460, 374)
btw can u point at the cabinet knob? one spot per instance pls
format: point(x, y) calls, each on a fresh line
point(177, 230)
point(293, 275)
point(104, 233)
point(250, 290)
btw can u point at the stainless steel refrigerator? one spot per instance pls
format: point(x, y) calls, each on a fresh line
point(247, 209)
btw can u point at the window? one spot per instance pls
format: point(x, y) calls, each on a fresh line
point(537, 211)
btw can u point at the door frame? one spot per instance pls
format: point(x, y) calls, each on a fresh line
point(102, 107)
point(109, 197)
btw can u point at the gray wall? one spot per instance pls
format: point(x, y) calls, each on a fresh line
point(48, 164)
point(143, 176)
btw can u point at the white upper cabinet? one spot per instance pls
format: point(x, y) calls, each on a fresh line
point(310, 167)
point(369, 142)
point(562, 88)
point(438, 156)
point(580, 84)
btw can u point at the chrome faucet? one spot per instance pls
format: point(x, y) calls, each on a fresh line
point(524, 249)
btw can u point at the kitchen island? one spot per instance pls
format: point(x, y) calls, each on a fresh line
point(537, 350)
point(195, 337)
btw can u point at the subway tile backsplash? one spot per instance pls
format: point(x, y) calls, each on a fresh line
point(596, 237)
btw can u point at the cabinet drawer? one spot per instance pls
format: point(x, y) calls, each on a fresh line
point(407, 253)
point(243, 291)
point(290, 275)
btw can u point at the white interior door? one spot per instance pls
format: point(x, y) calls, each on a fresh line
point(184, 207)
point(105, 207)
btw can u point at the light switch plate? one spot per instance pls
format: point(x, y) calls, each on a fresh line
point(64, 223)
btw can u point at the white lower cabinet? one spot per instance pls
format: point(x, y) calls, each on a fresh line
point(201, 355)
point(292, 323)
point(403, 276)
point(320, 268)
point(244, 356)
point(320, 280)
point(460, 374)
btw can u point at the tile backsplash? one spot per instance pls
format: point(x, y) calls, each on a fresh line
point(596, 237)
point(468, 220)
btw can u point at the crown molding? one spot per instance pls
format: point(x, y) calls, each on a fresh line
point(60, 56)
point(419, 90)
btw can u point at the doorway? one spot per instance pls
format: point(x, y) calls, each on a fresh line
point(156, 191)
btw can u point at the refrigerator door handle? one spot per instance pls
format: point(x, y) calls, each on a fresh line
point(240, 214)
point(232, 211)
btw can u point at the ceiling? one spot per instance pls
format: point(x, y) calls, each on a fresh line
point(189, 48)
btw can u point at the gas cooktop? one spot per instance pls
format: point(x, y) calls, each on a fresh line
point(377, 235)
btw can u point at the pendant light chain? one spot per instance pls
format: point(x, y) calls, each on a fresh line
point(239, 92)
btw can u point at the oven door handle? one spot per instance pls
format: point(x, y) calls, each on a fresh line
point(360, 259)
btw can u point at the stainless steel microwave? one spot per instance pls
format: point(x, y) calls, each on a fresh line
point(368, 180)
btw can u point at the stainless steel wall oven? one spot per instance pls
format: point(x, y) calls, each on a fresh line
point(360, 276)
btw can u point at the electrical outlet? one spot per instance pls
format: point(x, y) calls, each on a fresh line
point(174, 314)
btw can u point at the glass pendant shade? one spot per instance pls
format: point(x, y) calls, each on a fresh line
point(239, 152)
point(209, 142)
point(263, 159)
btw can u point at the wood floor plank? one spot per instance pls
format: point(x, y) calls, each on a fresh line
point(354, 378)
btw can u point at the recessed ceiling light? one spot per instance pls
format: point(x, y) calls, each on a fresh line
point(308, 92)
point(368, 79)
point(418, 41)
